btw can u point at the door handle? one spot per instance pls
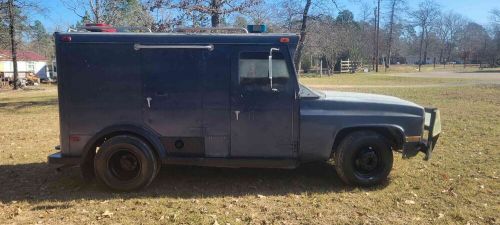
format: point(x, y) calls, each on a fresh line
point(149, 101)
point(237, 114)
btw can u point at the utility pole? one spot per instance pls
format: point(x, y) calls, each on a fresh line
point(12, 33)
point(377, 38)
point(389, 41)
point(374, 39)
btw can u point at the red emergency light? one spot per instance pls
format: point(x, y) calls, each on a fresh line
point(99, 27)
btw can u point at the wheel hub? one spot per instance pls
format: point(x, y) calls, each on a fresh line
point(124, 165)
point(128, 163)
point(367, 160)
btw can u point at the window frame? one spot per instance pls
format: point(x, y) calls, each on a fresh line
point(282, 57)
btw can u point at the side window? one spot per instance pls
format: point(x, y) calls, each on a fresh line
point(253, 69)
point(31, 66)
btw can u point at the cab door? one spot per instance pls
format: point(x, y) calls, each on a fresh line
point(263, 119)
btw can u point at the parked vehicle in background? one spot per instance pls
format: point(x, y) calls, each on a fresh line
point(52, 71)
point(130, 102)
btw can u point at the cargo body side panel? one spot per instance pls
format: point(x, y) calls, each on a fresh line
point(99, 86)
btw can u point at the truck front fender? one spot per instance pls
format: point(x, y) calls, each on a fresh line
point(392, 132)
point(320, 140)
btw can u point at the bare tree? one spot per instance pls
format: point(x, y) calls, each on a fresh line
point(303, 33)
point(448, 27)
point(473, 41)
point(393, 7)
point(12, 13)
point(13, 44)
point(377, 36)
point(216, 9)
point(115, 12)
point(425, 17)
point(288, 14)
point(495, 15)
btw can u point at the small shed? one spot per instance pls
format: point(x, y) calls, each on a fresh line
point(27, 62)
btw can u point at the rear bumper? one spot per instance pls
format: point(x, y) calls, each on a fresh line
point(60, 159)
point(430, 136)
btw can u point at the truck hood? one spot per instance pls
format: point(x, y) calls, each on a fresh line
point(340, 96)
point(356, 103)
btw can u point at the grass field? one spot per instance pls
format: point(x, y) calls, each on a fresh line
point(459, 185)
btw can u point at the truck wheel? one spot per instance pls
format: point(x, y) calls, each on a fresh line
point(363, 158)
point(125, 163)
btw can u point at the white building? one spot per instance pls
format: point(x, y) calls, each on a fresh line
point(27, 61)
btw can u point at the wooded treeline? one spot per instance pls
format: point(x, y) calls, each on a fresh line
point(385, 33)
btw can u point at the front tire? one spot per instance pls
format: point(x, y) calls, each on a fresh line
point(125, 163)
point(363, 158)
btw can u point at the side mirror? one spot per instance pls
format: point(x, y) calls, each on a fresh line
point(271, 67)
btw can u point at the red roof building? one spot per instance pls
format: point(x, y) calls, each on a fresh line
point(6, 55)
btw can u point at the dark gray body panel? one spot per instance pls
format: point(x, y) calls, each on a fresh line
point(103, 84)
point(324, 116)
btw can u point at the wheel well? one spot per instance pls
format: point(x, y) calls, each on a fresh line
point(92, 150)
point(392, 134)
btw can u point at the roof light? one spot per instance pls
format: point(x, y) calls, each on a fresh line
point(96, 25)
point(65, 38)
point(99, 27)
point(257, 28)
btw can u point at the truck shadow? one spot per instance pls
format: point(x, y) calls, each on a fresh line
point(15, 106)
point(37, 182)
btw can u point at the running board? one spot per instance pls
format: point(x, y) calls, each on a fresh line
point(233, 162)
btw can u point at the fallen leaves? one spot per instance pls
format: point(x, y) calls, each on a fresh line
point(18, 211)
point(450, 191)
point(105, 214)
point(409, 202)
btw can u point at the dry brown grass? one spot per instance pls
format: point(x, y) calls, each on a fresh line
point(459, 185)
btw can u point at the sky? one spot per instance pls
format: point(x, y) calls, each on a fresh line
point(58, 17)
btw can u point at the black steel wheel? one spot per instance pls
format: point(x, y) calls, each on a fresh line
point(363, 158)
point(125, 163)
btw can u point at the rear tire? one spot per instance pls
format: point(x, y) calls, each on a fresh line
point(363, 158)
point(125, 163)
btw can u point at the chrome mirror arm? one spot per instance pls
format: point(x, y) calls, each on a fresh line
point(271, 67)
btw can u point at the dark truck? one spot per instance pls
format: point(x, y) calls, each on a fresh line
point(130, 102)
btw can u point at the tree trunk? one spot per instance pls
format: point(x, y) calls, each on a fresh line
point(420, 48)
point(441, 54)
point(374, 38)
point(377, 33)
point(389, 42)
point(12, 33)
point(215, 15)
point(97, 12)
point(303, 32)
point(215, 20)
point(426, 47)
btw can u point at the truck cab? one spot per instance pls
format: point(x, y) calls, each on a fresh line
point(130, 102)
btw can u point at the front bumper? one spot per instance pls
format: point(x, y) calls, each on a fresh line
point(430, 136)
